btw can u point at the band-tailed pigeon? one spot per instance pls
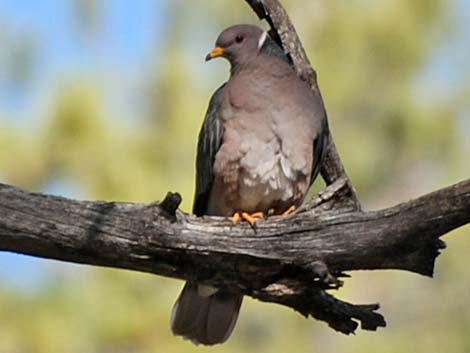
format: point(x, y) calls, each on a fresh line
point(260, 148)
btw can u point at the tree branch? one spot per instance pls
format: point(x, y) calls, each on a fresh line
point(290, 261)
point(283, 31)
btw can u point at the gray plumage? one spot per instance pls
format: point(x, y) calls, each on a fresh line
point(260, 148)
point(206, 318)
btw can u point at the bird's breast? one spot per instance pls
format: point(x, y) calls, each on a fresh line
point(252, 173)
point(266, 184)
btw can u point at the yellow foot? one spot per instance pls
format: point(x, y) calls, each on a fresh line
point(289, 211)
point(250, 218)
point(236, 218)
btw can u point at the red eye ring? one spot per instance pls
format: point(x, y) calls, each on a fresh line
point(239, 39)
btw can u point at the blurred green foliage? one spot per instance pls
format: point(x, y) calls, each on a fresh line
point(396, 139)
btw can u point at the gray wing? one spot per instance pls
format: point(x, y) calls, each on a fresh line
point(320, 144)
point(210, 140)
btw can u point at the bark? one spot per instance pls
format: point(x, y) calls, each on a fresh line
point(287, 260)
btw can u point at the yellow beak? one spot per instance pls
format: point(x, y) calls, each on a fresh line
point(217, 51)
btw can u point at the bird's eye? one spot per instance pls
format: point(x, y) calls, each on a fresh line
point(239, 39)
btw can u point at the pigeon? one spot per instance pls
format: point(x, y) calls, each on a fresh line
point(261, 146)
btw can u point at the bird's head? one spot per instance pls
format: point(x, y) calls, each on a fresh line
point(238, 44)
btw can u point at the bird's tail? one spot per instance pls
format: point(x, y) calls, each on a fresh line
point(205, 314)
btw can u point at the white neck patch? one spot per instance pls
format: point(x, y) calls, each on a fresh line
point(262, 39)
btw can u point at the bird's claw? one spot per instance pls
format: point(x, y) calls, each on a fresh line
point(236, 218)
point(250, 218)
point(289, 211)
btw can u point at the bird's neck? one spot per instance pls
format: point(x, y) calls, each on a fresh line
point(264, 65)
point(236, 68)
point(243, 63)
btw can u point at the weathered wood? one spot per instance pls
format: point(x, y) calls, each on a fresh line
point(276, 263)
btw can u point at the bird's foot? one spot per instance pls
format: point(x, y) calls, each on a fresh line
point(289, 211)
point(250, 218)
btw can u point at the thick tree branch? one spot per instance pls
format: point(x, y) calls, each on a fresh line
point(286, 260)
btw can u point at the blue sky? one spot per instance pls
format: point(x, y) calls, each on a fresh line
point(123, 45)
point(128, 33)
point(450, 63)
